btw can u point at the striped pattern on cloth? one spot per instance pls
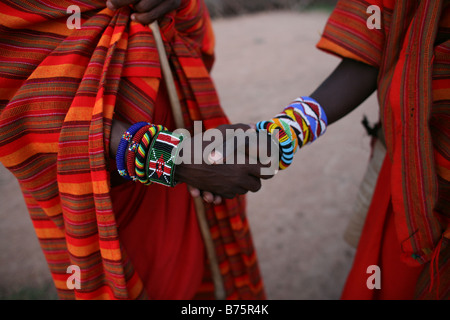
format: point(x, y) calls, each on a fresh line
point(59, 91)
point(412, 52)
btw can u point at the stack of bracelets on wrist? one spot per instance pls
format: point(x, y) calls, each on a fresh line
point(302, 122)
point(137, 150)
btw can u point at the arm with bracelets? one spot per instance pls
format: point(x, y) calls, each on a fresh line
point(144, 153)
point(307, 118)
point(147, 153)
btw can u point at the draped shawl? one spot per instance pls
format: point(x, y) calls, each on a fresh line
point(411, 49)
point(60, 88)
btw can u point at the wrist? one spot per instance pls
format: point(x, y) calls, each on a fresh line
point(117, 130)
point(181, 173)
point(301, 123)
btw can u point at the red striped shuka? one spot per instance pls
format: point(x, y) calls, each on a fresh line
point(407, 229)
point(60, 89)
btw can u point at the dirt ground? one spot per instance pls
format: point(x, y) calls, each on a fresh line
point(299, 217)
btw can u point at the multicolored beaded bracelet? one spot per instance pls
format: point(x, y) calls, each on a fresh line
point(122, 149)
point(160, 167)
point(142, 153)
point(286, 149)
point(132, 149)
point(289, 128)
point(302, 122)
point(312, 115)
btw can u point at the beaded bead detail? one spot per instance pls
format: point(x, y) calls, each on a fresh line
point(123, 146)
point(301, 123)
point(160, 166)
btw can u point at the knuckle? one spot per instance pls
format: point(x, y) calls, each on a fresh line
point(257, 186)
point(138, 7)
point(254, 186)
point(142, 6)
point(146, 17)
point(120, 3)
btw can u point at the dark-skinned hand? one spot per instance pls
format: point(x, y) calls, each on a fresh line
point(217, 178)
point(145, 11)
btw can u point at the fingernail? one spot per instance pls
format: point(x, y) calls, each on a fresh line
point(195, 194)
point(110, 5)
point(215, 157)
point(193, 191)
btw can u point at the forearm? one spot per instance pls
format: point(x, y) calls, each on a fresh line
point(346, 88)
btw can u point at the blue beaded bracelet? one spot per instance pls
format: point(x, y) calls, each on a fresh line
point(123, 146)
point(302, 122)
point(285, 142)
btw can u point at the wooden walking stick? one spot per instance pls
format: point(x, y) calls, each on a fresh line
point(179, 122)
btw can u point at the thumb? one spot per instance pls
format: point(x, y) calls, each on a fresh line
point(195, 193)
point(215, 157)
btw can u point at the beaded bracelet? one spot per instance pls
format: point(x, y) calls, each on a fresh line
point(160, 167)
point(302, 122)
point(142, 151)
point(289, 128)
point(286, 149)
point(313, 118)
point(122, 149)
point(132, 149)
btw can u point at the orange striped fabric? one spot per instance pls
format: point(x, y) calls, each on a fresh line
point(60, 90)
point(412, 52)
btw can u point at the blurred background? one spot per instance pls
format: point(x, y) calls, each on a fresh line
point(223, 8)
point(265, 58)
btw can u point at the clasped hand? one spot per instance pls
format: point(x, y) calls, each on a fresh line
point(233, 159)
point(145, 11)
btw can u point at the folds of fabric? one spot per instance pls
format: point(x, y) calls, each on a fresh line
point(411, 50)
point(162, 238)
point(158, 229)
point(60, 90)
point(379, 246)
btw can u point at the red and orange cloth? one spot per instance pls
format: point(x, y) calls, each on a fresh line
point(59, 91)
point(412, 52)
